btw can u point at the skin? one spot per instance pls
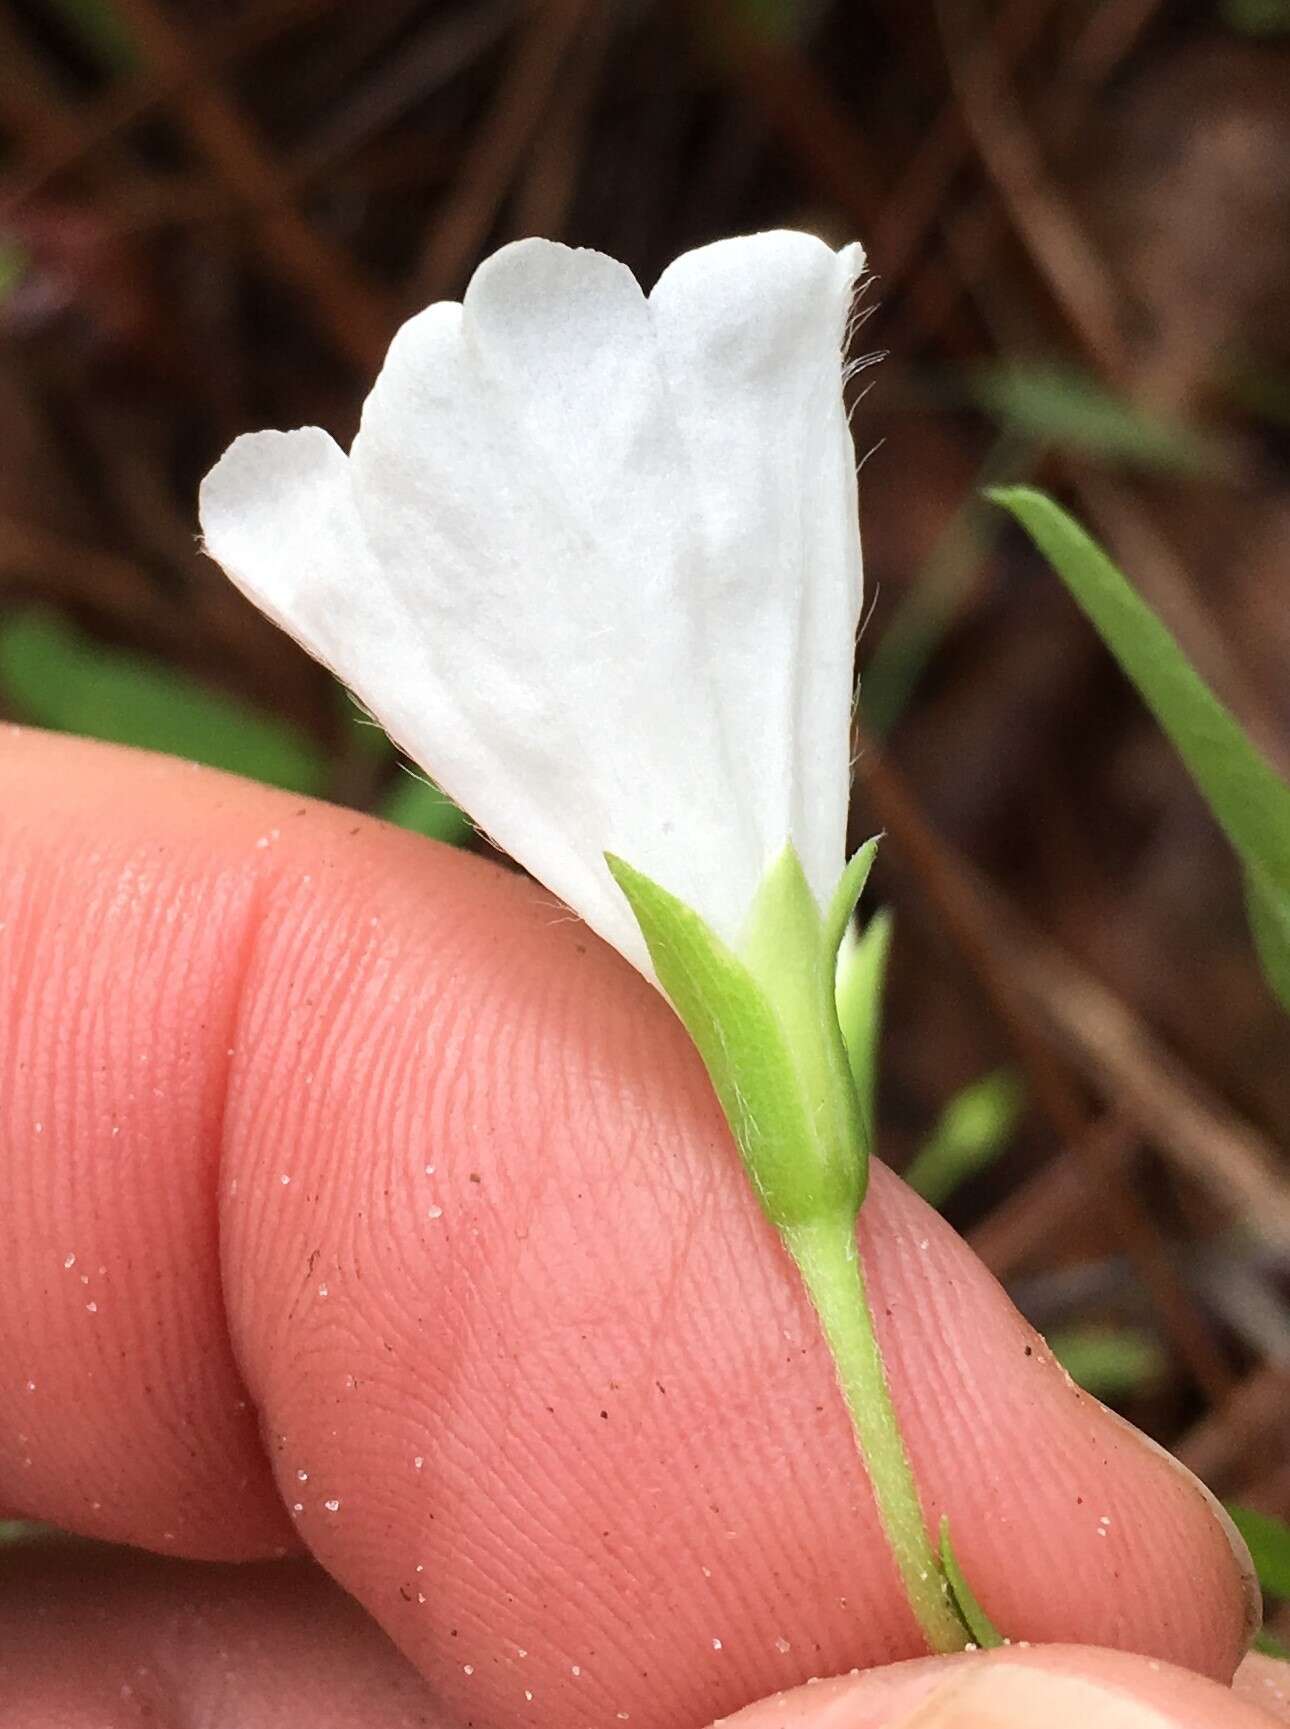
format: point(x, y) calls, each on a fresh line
point(513, 1311)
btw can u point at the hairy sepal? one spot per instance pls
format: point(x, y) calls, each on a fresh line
point(765, 1024)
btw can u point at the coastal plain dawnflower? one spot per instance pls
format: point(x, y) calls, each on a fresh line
point(593, 561)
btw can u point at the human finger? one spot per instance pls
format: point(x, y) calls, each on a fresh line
point(1265, 1682)
point(1059, 1686)
point(359, 1198)
point(88, 1634)
point(92, 1636)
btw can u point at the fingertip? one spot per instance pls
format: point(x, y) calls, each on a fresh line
point(92, 1636)
point(133, 888)
point(1265, 1683)
point(1060, 1687)
point(1069, 1523)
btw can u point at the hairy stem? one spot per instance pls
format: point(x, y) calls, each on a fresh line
point(829, 1262)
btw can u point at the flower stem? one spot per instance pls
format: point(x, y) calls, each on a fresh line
point(829, 1262)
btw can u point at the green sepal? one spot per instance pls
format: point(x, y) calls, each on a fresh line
point(1268, 911)
point(792, 952)
point(859, 989)
point(846, 897)
point(783, 928)
point(978, 1623)
point(765, 1023)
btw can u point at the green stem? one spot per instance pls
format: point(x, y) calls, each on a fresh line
point(827, 1258)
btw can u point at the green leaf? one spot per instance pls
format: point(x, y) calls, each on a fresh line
point(975, 1619)
point(1268, 1645)
point(56, 677)
point(1054, 405)
point(861, 984)
point(971, 1132)
point(1109, 1361)
point(798, 1132)
point(1246, 794)
point(1248, 797)
point(1269, 916)
point(1257, 17)
point(416, 804)
point(1268, 1540)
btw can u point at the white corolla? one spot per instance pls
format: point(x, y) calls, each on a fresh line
point(593, 561)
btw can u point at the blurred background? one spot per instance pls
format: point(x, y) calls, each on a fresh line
point(213, 217)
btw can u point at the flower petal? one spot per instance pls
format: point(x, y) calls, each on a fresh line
point(565, 339)
point(751, 332)
point(277, 512)
point(609, 587)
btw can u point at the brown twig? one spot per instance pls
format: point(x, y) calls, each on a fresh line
point(957, 905)
point(131, 99)
point(974, 234)
point(919, 197)
point(1076, 274)
point(32, 108)
point(1041, 1210)
point(1117, 1054)
point(976, 920)
point(1255, 1412)
point(354, 313)
point(1042, 995)
point(461, 228)
point(437, 53)
point(780, 83)
point(546, 192)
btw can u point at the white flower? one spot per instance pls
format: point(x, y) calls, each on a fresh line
point(594, 563)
